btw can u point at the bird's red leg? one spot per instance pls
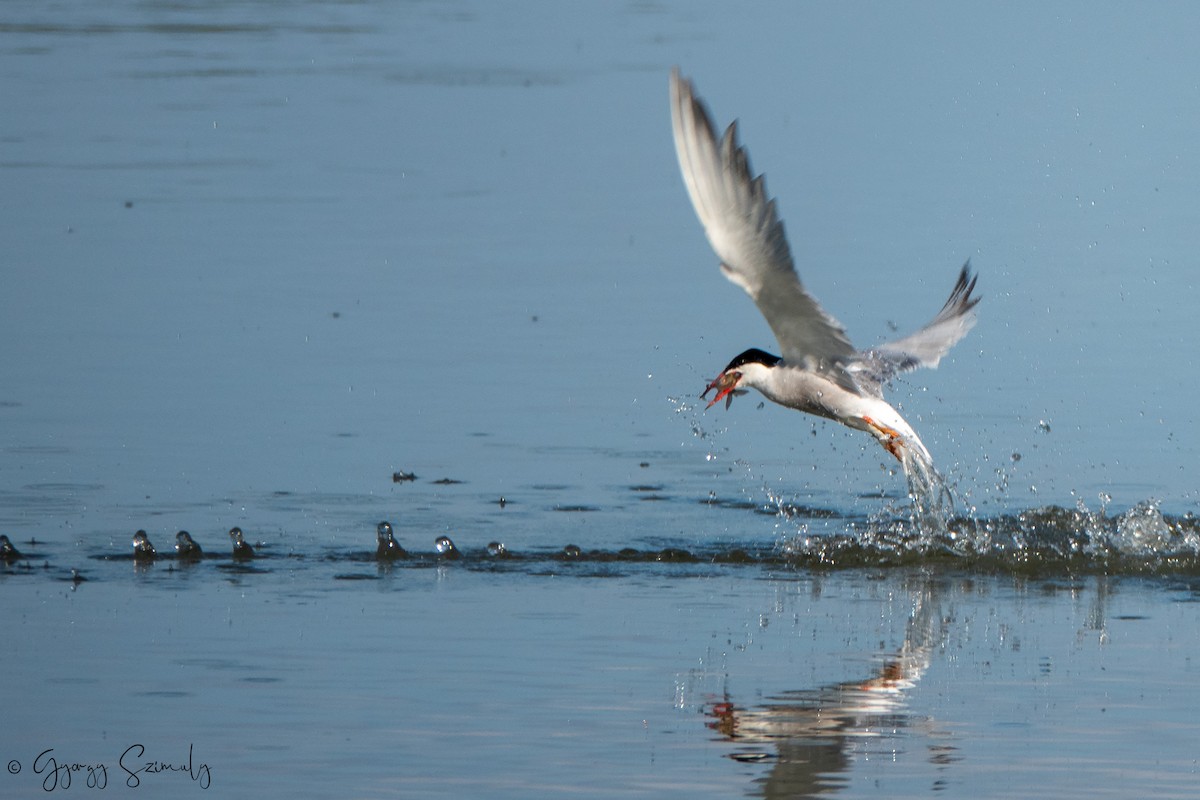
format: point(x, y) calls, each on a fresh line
point(893, 441)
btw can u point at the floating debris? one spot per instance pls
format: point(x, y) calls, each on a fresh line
point(76, 578)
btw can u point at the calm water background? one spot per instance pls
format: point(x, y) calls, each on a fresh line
point(259, 256)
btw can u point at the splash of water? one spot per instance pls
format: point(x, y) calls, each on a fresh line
point(924, 524)
point(931, 497)
point(928, 526)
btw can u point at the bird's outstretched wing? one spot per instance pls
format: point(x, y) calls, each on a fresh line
point(747, 235)
point(926, 347)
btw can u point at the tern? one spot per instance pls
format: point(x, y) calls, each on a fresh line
point(819, 371)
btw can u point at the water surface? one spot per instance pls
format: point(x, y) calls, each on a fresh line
point(262, 257)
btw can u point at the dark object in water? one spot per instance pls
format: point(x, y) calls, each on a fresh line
point(142, 549)
point(186, 548)
point(734, 556)
point(675, 555)
point(571, 551)
point(241, 550)
point(446, 548)
point(498, 550)
point(402, 476)
point(388, 548)
point(446, 482)
point(8, 553)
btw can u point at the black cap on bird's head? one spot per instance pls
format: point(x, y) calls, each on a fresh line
point(726, 383)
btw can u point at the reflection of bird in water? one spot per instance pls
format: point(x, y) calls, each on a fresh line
point(388, 547)
point(186, 548)
point(814, 731)
point(8, 553)
point(446, 548)
point(830, 710)
point(820, 371)
point(241, 550)
point(142, 549)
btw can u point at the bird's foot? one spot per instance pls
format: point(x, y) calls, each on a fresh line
point(890, 438)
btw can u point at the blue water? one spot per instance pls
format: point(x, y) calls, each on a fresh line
point(260, 257)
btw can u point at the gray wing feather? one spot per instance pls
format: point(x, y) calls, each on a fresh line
point(745, 232)
point(926, 347)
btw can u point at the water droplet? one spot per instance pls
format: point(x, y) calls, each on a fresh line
point(446, 548)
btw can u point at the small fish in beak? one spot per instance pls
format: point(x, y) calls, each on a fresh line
point(726, 386)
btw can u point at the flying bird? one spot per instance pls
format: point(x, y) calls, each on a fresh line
point(818, 370)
